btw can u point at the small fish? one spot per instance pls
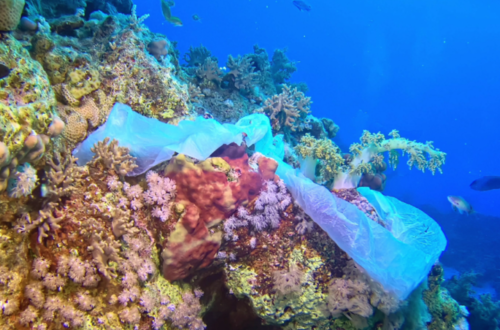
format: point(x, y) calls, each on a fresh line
point(44, 191)
point(4, 71)
point(302, 5)
point(196, 18)
point(486, 183)
point(165, 8)
point(459, 204)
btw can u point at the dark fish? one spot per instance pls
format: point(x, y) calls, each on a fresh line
point(196, 18)
point(4, 71)
point(486, 183)
point(165, 8)
point(302, 5)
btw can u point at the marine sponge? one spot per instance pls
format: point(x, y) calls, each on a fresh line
point(10, 14)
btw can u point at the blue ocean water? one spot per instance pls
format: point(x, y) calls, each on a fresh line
point(429, 69)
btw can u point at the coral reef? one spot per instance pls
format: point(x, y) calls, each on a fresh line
point(482, 311)
point(190, 241)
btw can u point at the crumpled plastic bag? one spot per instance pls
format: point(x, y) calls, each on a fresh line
point(153, 142)
point(399, 257)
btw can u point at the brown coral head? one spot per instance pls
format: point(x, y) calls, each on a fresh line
point(231, 151)
point(373, 181)
point(158, 48)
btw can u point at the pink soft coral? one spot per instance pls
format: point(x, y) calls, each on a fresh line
point(161, 193)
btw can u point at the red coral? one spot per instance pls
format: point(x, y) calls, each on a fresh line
point(208, 197)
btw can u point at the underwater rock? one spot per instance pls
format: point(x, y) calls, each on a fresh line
point(330, 127)
point(27, 24)
point(66, 25)
point(4, 70)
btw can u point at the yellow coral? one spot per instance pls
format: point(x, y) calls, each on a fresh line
point(324, 150)
point(10, 14)
point(27, 101)
point(137, 80)
point(82, 82)
point(423, 156)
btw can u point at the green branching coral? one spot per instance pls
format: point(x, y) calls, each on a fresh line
point(241, 72)
point(346, 171)
point(287, 108)
point(325, 151)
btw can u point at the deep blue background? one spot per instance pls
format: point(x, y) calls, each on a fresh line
point(427, 68)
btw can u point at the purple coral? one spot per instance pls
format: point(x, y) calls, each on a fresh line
point(186, 315)
point(79, 271)
point(130, 315)
point(35, 294)
point(161, 193)
point(53, 282)
point(113, 182)
point(40, 268)
point(9, 306)
point(28, 315)
point(130, 294)
point(71, 316)
point(84, 301)
point(147, 301)
point(348, 295)
point(52, 305)
point(272, 200)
